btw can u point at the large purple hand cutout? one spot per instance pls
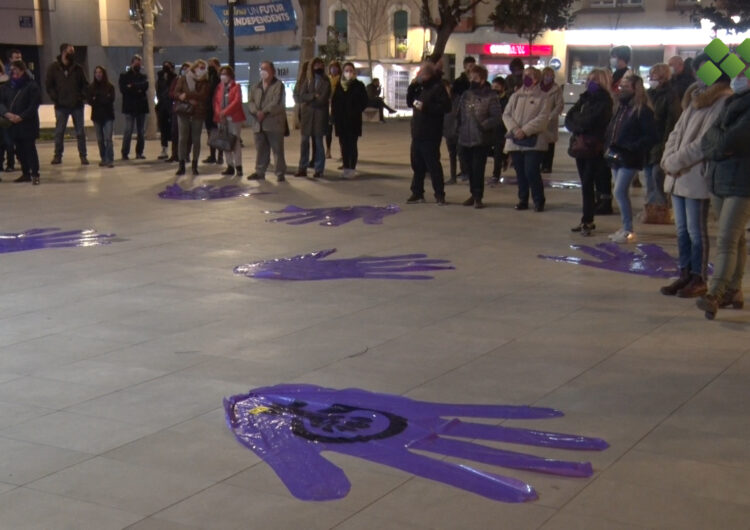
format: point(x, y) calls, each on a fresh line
point(288, 426)
point(334, 216)
point(37, 238)
point(313, 267)
point(649, 260)
point(206, 193)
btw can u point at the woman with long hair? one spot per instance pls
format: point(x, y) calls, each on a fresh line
point(630, 136)
point(334, 74)
point(19, 103)
point(587, 121)
point(192, 88)
point(348, 103)
point(228, 113)
point(101, 97)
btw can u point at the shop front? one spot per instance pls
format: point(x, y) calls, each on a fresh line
point(496, 57)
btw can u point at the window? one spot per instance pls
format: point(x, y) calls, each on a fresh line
point(398, 84)
point(192, 11)
point(400, 24)
point(616, 3)
point(341, 22)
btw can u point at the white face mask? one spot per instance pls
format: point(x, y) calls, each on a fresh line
point(264, 75)
point(613, 62)
point(348, 75)
point(200, 72)
point(224, 79)
point(740, 84)
point(654, 83)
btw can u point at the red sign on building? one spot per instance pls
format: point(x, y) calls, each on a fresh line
point(510, 50)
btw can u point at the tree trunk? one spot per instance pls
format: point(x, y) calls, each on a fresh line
point(148, 64)
point(310, 10)
point(444, 33)
point(369, 56)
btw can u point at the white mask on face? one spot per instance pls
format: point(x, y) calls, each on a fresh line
point(200, 72)
point(613, 62)
point(740, 84)
point(224, 78)
point(264, 75)
point(654, 83)
point(348, 75)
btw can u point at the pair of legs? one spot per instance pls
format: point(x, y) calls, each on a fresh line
point(655, 185)
point(498, 157)
point(7, 150)
point(165, 127)
point(319, 153)
point(265, 142)
point(425, 157)
point(29, 158)
point(603, 190)
point(589, 169)
point(731, 247)
point(379, 103)
point(476, 160)
point(349, 150)
point(548, 158)
point(528, 172)
point(452, 144)
point(137, 122)
point(691, 222)
point(175, 138)
point(61, 123)
point(234, 157)
point(189, 131)
point(104, 131)
point(623, 179)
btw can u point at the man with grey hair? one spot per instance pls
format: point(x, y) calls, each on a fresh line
point(268, 108)
point(682, 78)
point(134, 88)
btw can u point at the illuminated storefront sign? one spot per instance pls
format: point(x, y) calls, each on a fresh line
point(510, 50)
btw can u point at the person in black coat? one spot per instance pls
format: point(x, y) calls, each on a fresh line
point(164, 105)
point(66, 86)
point(19, 102)
point(213, 81)
point(134, 88)
point(587, 120)
point(431, 103)
point(101, 97)
point(348, 102)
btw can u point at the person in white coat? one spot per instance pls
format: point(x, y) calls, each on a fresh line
point(553, 92)
point(683, 164)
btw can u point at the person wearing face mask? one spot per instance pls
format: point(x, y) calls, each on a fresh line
point(184, 68)
point(587, 121)
point(725, 147)
point(134, 89)
point(682, 75)
point(431, 103)
point(514, 81)
point(630, 136)
point(526, 117)
point(228, 113)
point(686, 181)
point(667, 111)
point(479, 114)
point(334, 75)
point(348, 103)
point(192, 88)
point(19, 103)
point(553, 92)
point(164, 80)
point(500, 157)
point(268, 108)
point(101, 97)
point(619, 58)
point(313, 97)
point(213, 82)
point(66, 86)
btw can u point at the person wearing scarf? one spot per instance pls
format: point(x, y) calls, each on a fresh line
point(19, 103)
point(348, 103)
point(192, 88)
point(228, 113)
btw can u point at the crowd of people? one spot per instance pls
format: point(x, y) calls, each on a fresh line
point(689, 139)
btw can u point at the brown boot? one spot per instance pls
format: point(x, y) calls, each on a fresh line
point(734, 298)
point(696, 287)
point(679, 283)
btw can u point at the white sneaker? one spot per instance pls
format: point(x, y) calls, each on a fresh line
point(624, 237)
point(617, 234)
point(349, 174)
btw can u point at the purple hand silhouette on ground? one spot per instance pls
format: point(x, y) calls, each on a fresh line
point(334, 216)
point(313, 266)
point(648, 260)
point(37, 238)
point(206, 193)
point(288, 426)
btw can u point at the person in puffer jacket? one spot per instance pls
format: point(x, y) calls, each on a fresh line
point(725, 146)
point(684, 165)
point(479, 114)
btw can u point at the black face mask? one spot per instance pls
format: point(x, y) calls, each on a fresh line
point(69, 57)
point(319, 71)
point(137, 69)
point(475, 84)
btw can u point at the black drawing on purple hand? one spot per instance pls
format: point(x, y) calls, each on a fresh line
point(37, 238)
point(333, 216)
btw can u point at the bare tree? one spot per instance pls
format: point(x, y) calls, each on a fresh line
point(530, 18)
point(368, 22)
point(144, 19)
point(310, 11)
point(449, 17)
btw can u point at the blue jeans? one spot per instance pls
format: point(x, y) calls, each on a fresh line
point(61, 123)
point(320, 153)
point(528, 172)
point(623, 179)
point(655, 185)
point(139, 120)
point(691, 222)
point(104, 140)
point(731, 248)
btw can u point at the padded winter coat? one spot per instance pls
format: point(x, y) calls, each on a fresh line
point(529, 109)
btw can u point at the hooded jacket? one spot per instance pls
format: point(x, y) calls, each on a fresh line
point(683, 160)
point(66, 85)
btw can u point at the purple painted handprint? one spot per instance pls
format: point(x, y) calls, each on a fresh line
point(334, 216)
point(206, 193)
point(288, 426)
point(37, 238)
point(313, 266)
point(649, 260)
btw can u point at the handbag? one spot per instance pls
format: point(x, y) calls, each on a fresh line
point(614, 158)
point(528, 141)
point(585, 146)
point(184, 107)
point(5, 123)
point(220, 138)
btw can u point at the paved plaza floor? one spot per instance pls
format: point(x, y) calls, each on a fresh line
point(114, 359)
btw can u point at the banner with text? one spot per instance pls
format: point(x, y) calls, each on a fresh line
point(254, 19)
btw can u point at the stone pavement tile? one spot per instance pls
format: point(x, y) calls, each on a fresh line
point(233, 508)
point(13, 413)
point(114, 376)
point(123, 486)
point(581, 522)
point(26, 509)
point(151, 523)
point(46, 393)
point(203, 447)
point(23, 462)
point(654, 506)
point(361, 521)
point(64, 430)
